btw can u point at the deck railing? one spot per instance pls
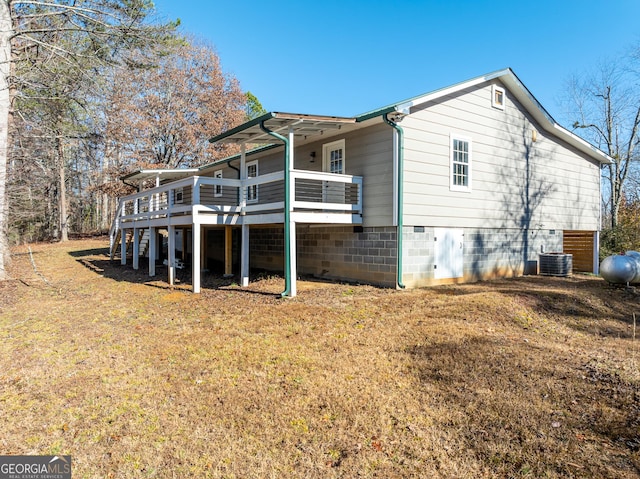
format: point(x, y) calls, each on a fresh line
point(311, 191)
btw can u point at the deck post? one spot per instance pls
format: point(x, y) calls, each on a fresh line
point(183, 253)
point(290, 190)
point(153, 236)
point(244, 256)
point(196, 240)
point(136, 248)
point(123, 246)
point(203, 242)
point(228, 251)
point(293, 273)
point(195, 192)
point(242, 197)
point(244, 247)
point(172, 254)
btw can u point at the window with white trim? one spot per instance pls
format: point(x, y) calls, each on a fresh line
point(252, 172)
point(460, 166)
point(498, 97)
point(333, 157)
point(217, 189)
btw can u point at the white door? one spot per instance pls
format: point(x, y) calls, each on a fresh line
point(333, 159)
point(448, 253)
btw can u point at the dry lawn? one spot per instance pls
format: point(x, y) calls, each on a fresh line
point(533, 377)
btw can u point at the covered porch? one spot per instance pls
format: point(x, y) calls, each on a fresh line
point(190, 201)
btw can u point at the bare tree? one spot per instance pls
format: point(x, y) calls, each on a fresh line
point(6, 33)
point(605, 105)
point(165, 114)
point(81, 35)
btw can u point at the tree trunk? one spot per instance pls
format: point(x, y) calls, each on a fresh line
point(103, 198)
point(6, 29)
point(62, 197)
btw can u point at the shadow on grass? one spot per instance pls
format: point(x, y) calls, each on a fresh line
point(90, 252)
point(526, 409)
point(97, 260)
point(585, 303)
point(597, 309)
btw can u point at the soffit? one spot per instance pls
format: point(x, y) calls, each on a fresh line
point(303, 127)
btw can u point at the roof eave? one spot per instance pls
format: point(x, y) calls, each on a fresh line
point(376, 113)
point(582, 144)
point(305, 125)
point(159, 172)
point(547, 122)
point(236, 156)
point(522, 93)
point(244, 126)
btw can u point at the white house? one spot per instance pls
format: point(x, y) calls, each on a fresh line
point(469, 182)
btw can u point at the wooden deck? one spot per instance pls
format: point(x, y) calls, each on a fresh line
point(198, 201)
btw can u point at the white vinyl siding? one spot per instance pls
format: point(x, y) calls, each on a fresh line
point(563, 185)
point(370, 155)
point(460, 164)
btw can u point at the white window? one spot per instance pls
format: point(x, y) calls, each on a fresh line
point(460, 164)
point(179, 195)
point(333, 157)
point(217, 189)
point(497, 97)
point(252, 191)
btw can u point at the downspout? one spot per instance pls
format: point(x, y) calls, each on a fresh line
point(287, 210)
point(400, 192)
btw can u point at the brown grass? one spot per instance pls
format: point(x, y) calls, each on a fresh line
point(534, 377)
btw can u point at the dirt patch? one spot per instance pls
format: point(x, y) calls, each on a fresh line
point(531, 377)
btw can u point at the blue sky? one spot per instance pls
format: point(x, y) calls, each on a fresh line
point(347, 57)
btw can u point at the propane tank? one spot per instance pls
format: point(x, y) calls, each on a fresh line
point(636, 257)
point(619, 268)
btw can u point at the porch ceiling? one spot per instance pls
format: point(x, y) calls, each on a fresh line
point(303, 126)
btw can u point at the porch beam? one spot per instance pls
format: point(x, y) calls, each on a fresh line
point(153, 251)
point(136, 248)
point(287, 165)
point(293, 269)
point(203, 243)
point(288, 204)
point(228, 251)
point(244, 257)
point(184, 245)
point(123, 246)
point(242, 199)
point(172, 255)
point(195, 256)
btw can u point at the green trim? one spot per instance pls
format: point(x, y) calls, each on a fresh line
point(400, 179)
point(160, 171)
point(244, 126)
point(287, 208)
point(375, 113)
point(228, 159)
